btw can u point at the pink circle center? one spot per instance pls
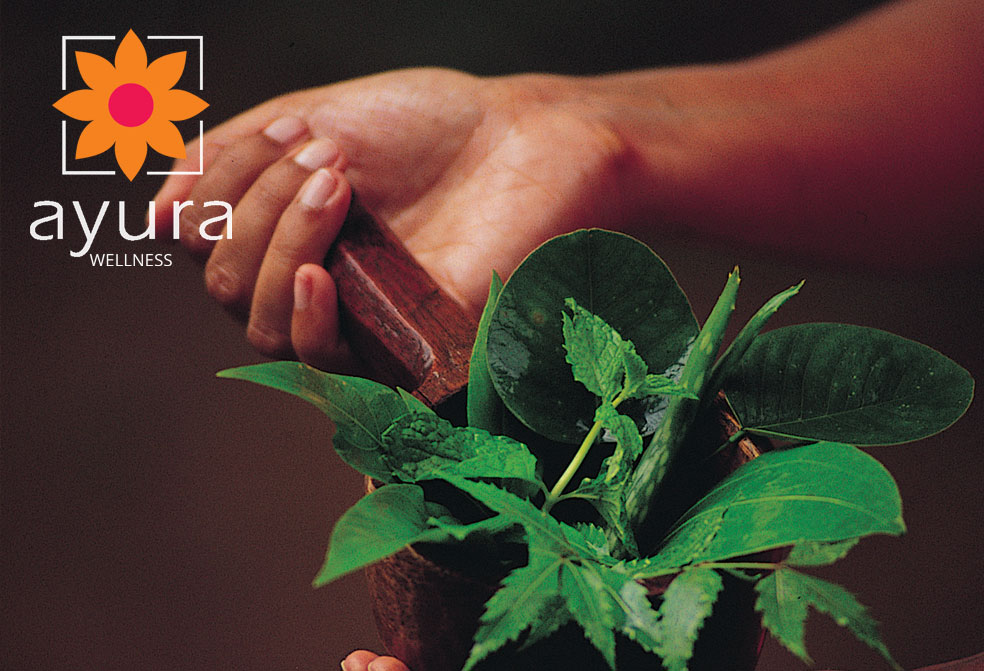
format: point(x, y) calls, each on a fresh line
point(130, 104)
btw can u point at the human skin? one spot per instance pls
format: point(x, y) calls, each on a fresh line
point(863, 145)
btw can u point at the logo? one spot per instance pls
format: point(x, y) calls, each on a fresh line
point(130, 105)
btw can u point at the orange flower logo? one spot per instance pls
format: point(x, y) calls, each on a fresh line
point(130, 105)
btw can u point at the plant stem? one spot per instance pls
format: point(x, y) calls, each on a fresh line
point(558, 489)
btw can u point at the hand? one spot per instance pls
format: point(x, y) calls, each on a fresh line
point(363, 660)
point(471, 173)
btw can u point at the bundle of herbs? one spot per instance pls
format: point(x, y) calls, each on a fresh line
point(581, 474)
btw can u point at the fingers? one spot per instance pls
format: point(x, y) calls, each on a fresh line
point(314, 323)
point(177, 187)
point(363, 660)
point(232, 174)
point(303, 235)
point(233, 269)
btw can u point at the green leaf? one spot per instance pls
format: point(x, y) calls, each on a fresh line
point(562, 563)
point(825, 492)
point(813, 553)
point(611, 275)
point(378, 525)
point(514, 509)
point(600, 358)
point(528, 597)
point(413, 403)
point(846, 383)
point(606, 492)
point(736, 350)
point(660, 385)
point(583, 587)
point(784, 598)
point(360, 409)
point(634, 614)
point(419, 446)
point(662, 452)
point(688, 601)
point(484, 405)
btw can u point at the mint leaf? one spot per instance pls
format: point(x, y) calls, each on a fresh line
point(686, 604)
point(418, 446)
point(812, 553)
point(784, 598)
point(660, 385)
point(485, 408)
point(614, 276)
point(606, 492)
point(600, 358)
point(378, 525)
point(360, 409)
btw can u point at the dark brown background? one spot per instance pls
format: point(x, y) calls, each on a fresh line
point(156, 518)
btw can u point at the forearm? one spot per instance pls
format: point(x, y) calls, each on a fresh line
point(864, 144)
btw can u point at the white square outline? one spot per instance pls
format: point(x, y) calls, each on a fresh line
point(201, 87)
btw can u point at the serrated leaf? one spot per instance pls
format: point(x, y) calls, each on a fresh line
point(553, 544)
point(592, 540)
point(606, 492)
point(600, 358)
point(661, 385)
point(528, 597)
point(582, 586)
point(417, 446)
point(812, 553)
point(635, 616)
point(537, 523)
point(846, 383)
point(360, 409)
point(687, 602)
point(628, 442)
point(526, 356)
point(681, 550)
point(378, 525)
point(826, 492)
point(484, 406)
point(784, 598)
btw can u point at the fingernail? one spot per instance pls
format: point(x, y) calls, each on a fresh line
point(302, 298)
point(317, 153)
point(318, 188)
point(285, 129)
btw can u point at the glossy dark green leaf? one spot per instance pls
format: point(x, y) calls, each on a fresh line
point(360, 409)
point(827, 492)
point(846, 383)
point(611, 275)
